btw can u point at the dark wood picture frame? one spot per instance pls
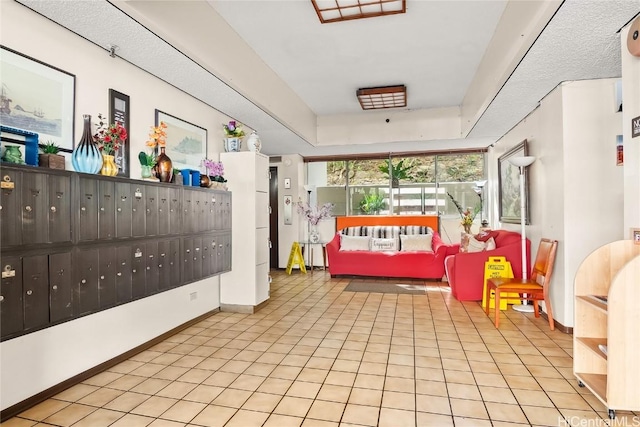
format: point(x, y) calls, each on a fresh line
point(119, 113)
point(509, 186)
point(186, 142)
point(45, 95)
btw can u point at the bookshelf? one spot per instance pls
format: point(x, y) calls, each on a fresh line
point(606, 336)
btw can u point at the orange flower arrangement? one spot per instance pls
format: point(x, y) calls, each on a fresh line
point(158, 136)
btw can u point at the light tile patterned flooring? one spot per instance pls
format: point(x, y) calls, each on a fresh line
point(318, 356)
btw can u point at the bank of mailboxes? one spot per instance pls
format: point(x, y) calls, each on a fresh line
point(74, 244)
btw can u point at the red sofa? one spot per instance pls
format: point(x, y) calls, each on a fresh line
point(414, 264)
point(465, 270)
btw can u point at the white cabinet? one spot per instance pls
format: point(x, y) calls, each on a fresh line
point(247, 284)
point(606, 337)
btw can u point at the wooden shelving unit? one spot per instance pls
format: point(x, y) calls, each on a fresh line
point(611, 271)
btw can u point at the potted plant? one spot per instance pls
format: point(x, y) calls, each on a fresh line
point(147, 162)
point(215, 170)
point(50, 157)
point(233, 136)
point(372, 203)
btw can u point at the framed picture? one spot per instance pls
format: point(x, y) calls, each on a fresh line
point(119, 113)
point(186, 142)
point(38, 98)
point(509, 186)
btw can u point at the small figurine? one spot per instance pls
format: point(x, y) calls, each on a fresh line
point(12, 154)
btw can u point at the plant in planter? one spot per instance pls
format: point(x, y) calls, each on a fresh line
point(50, 157)
point(372, 203)
point(147, 162)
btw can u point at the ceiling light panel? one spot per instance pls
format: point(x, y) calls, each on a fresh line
point(375, 98)
point(344, 10)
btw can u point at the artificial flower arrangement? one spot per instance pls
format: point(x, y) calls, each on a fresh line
point(233, 129)
point(314, 214)
point(467, 215)
point(109, 137)
point(157, 136)
point(215, 170)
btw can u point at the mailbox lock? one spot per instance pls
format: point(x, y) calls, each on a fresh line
point(148, 268)
point(54, 287)
point(101, 209)
point(6, 182)
point(101, 277)
point(118, 274)
point(134, 270)
point(53, 209)
point(119, 209)
point(29, 292)
point(83, 281)
point(28, 208)
point(159, 265)
point(83, 209)
point(1, 297)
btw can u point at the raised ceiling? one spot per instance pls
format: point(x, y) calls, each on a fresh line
point(477, 66)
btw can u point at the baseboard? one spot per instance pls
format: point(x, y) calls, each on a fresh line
point(559, 326)
point(243, 309)
point(20, 407)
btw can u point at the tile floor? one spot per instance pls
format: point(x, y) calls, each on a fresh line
point(318, 356)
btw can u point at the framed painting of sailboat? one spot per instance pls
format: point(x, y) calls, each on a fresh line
point(37, 97)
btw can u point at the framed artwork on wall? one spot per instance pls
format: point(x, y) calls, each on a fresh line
point(37, 97)
point(186, 142)
point(119, 113)
point(509, 186)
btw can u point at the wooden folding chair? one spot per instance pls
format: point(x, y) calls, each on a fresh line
point(535, 289)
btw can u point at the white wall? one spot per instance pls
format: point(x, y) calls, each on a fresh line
point(630, 109)
point(575, 187)
point(37, 361)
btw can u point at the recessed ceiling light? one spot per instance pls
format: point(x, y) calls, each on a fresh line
point(344, 10)
point(373, 98)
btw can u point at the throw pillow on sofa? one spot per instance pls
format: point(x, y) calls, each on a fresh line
point(354, 243)
point(384, 245)
point(416, 242)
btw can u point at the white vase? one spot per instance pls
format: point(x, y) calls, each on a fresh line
point(253, 142)
point(314, 235)
point(232, 144)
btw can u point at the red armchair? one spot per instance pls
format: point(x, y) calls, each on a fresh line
point(465, 270)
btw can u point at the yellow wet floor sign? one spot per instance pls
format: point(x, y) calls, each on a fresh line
point(295, 257)
point(498, 267)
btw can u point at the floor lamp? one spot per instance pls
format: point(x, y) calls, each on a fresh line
point(522, 163)
point(309, 188)
point(479, 186)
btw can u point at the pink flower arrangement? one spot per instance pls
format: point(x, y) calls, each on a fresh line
point(233, 129)
point(215, 170)
point(314, 214)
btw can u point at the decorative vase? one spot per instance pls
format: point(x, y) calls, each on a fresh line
point(314, 236)
point(86, 156)
point(253, 142)
point(204, 181)
point(145, 172)
point(232, 144)
point(164, 167)
point(109, 167)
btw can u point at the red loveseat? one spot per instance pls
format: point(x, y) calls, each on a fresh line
point(412, 264)
point(465, 270)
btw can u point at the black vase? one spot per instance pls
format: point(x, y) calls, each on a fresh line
point(164, 167)
point(86, 156)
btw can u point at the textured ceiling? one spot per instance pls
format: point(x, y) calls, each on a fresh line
point(434, 49)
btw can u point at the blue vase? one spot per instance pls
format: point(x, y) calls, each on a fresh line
point(86, 156)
